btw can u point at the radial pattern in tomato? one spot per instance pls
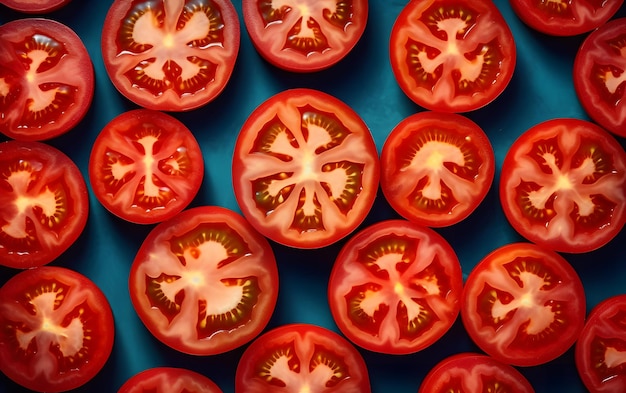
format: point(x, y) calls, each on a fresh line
point(169, 380)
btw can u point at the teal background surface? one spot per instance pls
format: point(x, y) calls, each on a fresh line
point(541, 89)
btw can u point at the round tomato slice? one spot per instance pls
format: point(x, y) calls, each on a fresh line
point(395, 287)
point(46, 79)
point(474, 373)
point(523, 304)
point(35, 6)
point(563, 185)
point(305, 169)
point(169, 380)
point(44, 203)
point(298, 358)
point(145, 166)
point(57, 329)
point(452, 55)
point(436, 168)
point(305, 35)
point(170, 55)
point(599, 75)
point(204, 282)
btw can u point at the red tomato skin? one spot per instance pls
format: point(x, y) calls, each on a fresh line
point(169, 380)
point(35, 7)
point(69, 67)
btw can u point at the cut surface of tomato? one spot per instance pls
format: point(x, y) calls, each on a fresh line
point(305, 169)
point(35, 6)
point(169, 380)
point(145, 166)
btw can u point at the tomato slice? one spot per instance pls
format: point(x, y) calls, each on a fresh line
point(395, 287)
point(169, 380)
point(170, 55)
point(35, 6)
point(436, 168)
point(474, 373)
point(297, 358)
point(305, 169)
point(44, 203)
point(204, 282)
point(523, 304)
point(57, 329)
point(563, 185)
point(305, 35)
point(452, 55)
point(46, 79)
point(601, 347)
point(145, 166)
point(599, 75)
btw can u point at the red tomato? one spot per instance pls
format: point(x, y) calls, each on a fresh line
point(523, 304)
point(145, 166)
point(452, 55)
point(305, 35)
point(563, 185)
point(474, 373)
point(305, 169)
point(170, 55)
point(395, 287)
point(169, 380)
point(35, 6)
point(436, 168)
point(46, 79)
point(44, 203)
point(601, 347)
point(57, 329)
point(300, 358)
point(204, 282)
point(599, 69)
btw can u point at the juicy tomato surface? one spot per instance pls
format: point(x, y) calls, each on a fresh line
point(170, 55)
point(523, 304)
point(145, 166)
point(474, 373)
point(57, 329)
point(35, 6)
point(452, 55)
point(204, 282)
point(46, 79)
point(43, 203)
point(601, 347)
point(395, 287)
point(169, 380)
point(305, 35)
point(598, 75)
point(563, 185)
point(296, 358)
point(305, 169)
point(436, 168)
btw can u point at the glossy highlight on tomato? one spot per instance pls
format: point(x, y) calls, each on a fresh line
point(35, 6)
point(169, 380)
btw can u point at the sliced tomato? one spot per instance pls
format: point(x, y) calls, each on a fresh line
point(395, 287)
point(57, 329)
point(204, 282)
point(170, 55)
point(600, 78)
point(436, 168)
point(145, 166)
point(305, 169)
point(474, 373)
point(523, 304)
point(305, 35)
point(452, 55)
point(301, 358)
point(46, 79)
point(35, 6)
point(563, 185)
point(169, 380)
point(44, 203)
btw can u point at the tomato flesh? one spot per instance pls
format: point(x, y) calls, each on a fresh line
point(169, 380)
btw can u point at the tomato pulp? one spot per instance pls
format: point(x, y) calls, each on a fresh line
point(169, 380)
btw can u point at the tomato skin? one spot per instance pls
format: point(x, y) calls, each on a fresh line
point(61, 85)
point(35, 7)
point(145, 166)
point(284, 360)
point(169, 380)
point(45, 203)
point(195, 265)
point(395, 287)
point(305, 169)
point(523, 304)
point(52, 362)
point(563, 185)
